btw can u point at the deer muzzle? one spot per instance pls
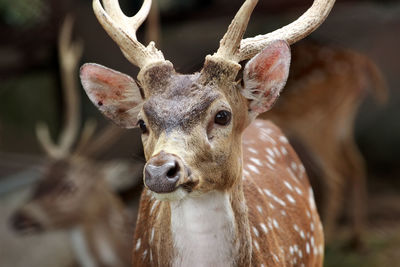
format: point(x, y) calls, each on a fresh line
point(163, 173)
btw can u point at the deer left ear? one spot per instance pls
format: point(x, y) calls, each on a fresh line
point(115, 94)
point(265, 75)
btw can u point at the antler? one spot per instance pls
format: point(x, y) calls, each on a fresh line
point(233, 48)
point(108, 136)
point(69, 54)
point(122, 30)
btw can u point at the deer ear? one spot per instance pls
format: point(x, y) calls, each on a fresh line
point(265, 75)
point(115, 94)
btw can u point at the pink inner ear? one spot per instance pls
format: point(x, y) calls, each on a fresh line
point(269, 66)
point(106, 85)
point(114, 93)
point(265, 75)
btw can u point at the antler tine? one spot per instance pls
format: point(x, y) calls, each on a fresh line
point(292, 33)
point(230, 43)
point(232, 48)
point(69, 56)
point(122, 30)
point(103, 141)
point(43, 136)
point(88, 131)
point(139, 18)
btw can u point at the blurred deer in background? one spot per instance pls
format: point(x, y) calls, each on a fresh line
point(75, 192)
point(316, 111)
point(206, 203)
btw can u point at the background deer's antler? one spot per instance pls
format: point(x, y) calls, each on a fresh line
point(70, 52)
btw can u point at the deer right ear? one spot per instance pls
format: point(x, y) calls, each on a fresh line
point(265, 75)
point(115, 94)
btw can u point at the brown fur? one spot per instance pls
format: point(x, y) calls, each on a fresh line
point(155, 248)
point(181, 122)
point(317, 110)
point(73, 194)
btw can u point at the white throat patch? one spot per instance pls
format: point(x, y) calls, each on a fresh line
point(203, 230)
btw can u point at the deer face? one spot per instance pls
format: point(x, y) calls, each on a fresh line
point(59, 199)
point(191, 124)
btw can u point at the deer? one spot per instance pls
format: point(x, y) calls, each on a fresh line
point(76, 193)
point(214, 195)
point(325, 88)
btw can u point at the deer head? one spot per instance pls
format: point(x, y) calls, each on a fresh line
point(192, 124)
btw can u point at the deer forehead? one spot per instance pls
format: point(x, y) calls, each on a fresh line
point(182, 104)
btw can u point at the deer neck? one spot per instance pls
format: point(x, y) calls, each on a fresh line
point(209, 230)
point(100, 239)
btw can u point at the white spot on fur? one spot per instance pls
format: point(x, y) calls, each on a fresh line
point(264, 228)
point(311, 199)
point(290, 198)
point(153, 206)
point(151, 235)
point(271, 160)
point(284, 150)
point(270, 152)
point(293, 165)
point(255, 231)
point(302, 234)
point(256, 245)
point(288, 185)
point(298, 190)
point(277, 152)
point(275, 223)
point(137, 246)
point(256, 161)
point(270, 166)
point(292, 174)
point(283, 139)
point(253, 168)
point(259, 209)
point(252, 150)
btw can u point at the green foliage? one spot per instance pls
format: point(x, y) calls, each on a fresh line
point(22, 13)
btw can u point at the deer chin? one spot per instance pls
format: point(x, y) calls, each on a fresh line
point(176, 195)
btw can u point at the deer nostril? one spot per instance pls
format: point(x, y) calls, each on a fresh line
point(23, 222)
point(163, 172)
point(172, 172)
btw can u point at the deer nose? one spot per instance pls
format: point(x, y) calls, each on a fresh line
point(22, 222)
point(162, 173)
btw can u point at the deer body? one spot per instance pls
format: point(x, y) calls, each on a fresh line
point(198, 208)
point(325, 89)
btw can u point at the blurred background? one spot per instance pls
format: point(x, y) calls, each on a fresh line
point(30, 91)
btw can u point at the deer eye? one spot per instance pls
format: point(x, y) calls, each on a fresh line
point(142, 126)
point(223, 117)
